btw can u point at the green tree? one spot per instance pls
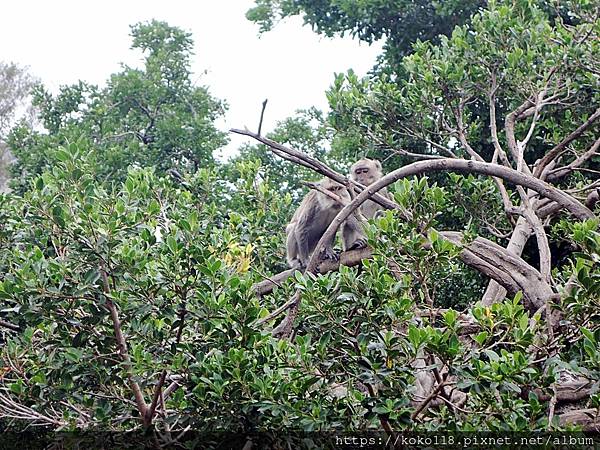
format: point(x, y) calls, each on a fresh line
point(15, 104)
point(153, 116)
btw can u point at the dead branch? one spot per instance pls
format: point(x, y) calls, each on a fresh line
point(11, 409)
point(299, 157)
point(9, 325)
point(262, 114)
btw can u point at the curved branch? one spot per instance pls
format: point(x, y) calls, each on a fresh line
point(456, 165)
point(507, 269)
point(536, 296)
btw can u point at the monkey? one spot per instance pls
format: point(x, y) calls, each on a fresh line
point(312, 218)
point(368, 171)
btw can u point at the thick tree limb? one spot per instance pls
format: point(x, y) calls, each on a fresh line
point(458, 165)
point(589, 419)
point(536, 296)
point(568, 392)
point(485, 264)
point(519, 237)
point(507, 269)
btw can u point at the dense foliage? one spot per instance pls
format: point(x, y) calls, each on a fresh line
point(127, 294)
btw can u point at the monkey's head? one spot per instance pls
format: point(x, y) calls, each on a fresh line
point(335, 188)
point(366, 171)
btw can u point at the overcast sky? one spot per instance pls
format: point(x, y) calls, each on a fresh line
point(63, 41)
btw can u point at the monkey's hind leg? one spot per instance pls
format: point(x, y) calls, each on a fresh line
point(293, 255)
point(328, 252)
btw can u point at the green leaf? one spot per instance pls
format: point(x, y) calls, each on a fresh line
point(492, 355)
point(172, 244)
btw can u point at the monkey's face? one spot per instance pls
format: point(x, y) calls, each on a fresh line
point(365, 172)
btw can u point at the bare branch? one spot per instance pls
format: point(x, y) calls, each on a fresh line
point(262, 114)
point(555, 174)
point(9, 325)
point(313, 164)
point(556, 151)
point(498, 151)
point(509, 128)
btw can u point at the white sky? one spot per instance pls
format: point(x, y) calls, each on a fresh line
point(63, 41)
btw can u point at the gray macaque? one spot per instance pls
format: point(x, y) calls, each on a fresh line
point(368, 171)
point(312, 218)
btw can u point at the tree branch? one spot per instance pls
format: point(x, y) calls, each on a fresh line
point(555, 174)
point(122, 348)
point(9, 325)
point(313, 164)
point(556, 151)
point(262, 114)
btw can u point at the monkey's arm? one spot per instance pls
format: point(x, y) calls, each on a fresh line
point(353, 236)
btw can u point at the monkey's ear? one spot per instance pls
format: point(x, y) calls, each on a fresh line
point(378, 163)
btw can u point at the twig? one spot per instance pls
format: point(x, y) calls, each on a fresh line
point(262, 112)
point(9, 325)
point(428, 399)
